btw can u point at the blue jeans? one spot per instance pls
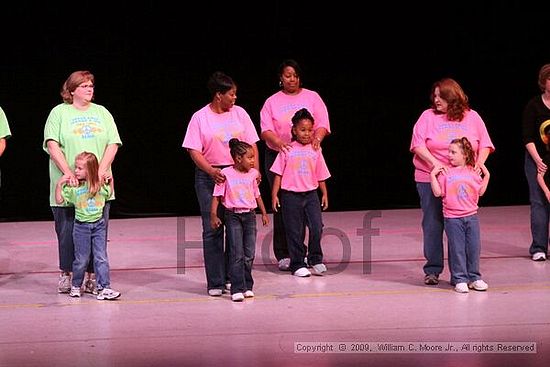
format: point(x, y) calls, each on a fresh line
point(464, 239)
point(280, 246)
point(91, 238)
point(432, 228)
point(301, 209)
point(240, 231)
point(215, 257)
point(63, 217)
point(540, 208)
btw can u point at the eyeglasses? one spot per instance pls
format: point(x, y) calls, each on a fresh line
point(86, 86)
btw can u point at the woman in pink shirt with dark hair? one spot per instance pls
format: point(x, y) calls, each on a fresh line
point(448, 118)
point(276, 124)
point(207, 141)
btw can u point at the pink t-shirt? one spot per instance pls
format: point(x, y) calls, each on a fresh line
point(209, 133)
point(277, 111)
point(435, 132)
point(239, 190)
point(460, 191)
point(301, 168)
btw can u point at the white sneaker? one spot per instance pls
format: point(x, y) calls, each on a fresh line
point(237, 297)
point(302, 272)
point(539, 256)
point(108, 294)
point(318, 269)
point(284, 264)
point(64, 284)
point(75, 291)
point(461, 288)
point(478, 285)
point(248, 294)
point(215, 292)
point(227, 286)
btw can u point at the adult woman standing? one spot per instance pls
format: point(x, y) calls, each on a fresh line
point(74, 126)
point(448, 118)
point(276, 124)
point(207, 141)
point(536, 117)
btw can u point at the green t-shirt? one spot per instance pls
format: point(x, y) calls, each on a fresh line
point(86, 209)
point(4, 127)
point(76, 131)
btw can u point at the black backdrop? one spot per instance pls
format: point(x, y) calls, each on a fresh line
point(374, 69)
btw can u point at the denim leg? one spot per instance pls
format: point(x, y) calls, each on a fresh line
point(82, 238)
point(314, 223)
point(473, 246)
point(539, 208)
point(64, 220)
point(456, 236)
point(234, 234)
point(280, 246)
point(249, 239)
point(99, 249)
point(241, 238)
point(212, 239)
point(432, 228)
point(292, 206)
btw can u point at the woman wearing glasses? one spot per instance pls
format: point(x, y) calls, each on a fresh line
point(74, 126)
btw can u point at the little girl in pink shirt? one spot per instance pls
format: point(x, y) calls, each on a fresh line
point(240, 196)
point(460, 187)
point(299, 172)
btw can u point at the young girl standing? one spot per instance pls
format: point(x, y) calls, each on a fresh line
point(460, 187)
point(90, 231)
point(299, 172)
point(240, 195)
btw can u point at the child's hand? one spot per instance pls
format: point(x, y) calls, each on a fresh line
point(265, 219)
point(215, 222)
point(275, 203)
point(324, 202)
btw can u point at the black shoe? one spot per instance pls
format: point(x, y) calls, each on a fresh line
point(431, 279)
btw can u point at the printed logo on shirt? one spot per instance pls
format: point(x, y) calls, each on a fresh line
point(240, 190)
point(544, 131)
point(300, 161)
point(86, 126)
point(458, 186)
point(288, 111)
point(226, 130)
point(451, 130)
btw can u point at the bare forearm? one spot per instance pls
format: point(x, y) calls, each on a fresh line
point(2, 146)
point(261, 205)
point(256, 157)
point(108, 157)
point(483, 154)
point(533, 151)
point(200, 161)
point(323, 188)
point(58, 157)
point(426, 156)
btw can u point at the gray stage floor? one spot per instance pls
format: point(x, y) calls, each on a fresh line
point(372, 307)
